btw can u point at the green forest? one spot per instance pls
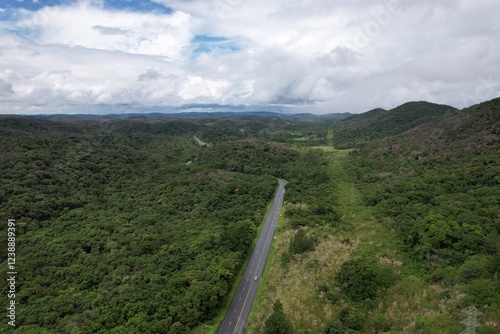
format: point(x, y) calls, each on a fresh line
point(438, 187)
point(129, 225)
point(408, 236)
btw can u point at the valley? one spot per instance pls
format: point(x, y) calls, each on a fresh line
point(390, 220)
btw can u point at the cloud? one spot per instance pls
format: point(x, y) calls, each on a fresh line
point(59, 74)
point(110, 30)
point(5, 88)
point(150, 74)
point(95, 28)
point(316, 55)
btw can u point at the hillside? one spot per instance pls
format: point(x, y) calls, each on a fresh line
point(380, 123)
point(410, 238)
point(447, 168)
point(398, 235)
point(437, 186)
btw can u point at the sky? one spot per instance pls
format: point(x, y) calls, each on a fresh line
point(318, 56)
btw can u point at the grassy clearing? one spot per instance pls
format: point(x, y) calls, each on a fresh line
point(301, 138)
point(412, 305)
point(296, 285)
point(326, 149)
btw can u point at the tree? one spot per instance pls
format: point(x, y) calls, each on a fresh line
point(301, 243)
point(360, 279)
point(278, 323)
point(177, 328)
point(352, 319)
point(238, 236)
point(334, 327)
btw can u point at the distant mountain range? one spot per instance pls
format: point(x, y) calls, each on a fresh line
point(304, 117)
point(349, 130)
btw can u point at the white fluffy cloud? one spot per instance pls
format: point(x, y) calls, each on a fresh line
point(316, 55)
point(92, 27)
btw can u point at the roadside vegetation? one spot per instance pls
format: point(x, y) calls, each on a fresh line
point(417, 241)
point(130, 226)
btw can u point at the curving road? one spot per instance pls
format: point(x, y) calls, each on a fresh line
point(237, 315)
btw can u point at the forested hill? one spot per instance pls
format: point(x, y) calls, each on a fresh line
point(380, 123)
point(438, 186)
point(464, 134)
point(130, 226)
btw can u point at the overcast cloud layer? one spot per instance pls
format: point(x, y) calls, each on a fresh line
point(316, 56)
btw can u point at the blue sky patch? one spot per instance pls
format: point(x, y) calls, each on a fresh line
point(142, 6)
point(210, 44)
point(32, 5)
point(208, 39)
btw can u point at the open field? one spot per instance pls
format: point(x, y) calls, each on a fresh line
point(411, 305)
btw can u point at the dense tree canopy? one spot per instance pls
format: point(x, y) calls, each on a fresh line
point(438, 187)
point(129, 226)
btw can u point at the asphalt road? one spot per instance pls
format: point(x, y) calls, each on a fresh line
point(237, 315)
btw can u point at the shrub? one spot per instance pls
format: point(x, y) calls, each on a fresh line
point(360, 279)
point(352, 319)
point(301, 243)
